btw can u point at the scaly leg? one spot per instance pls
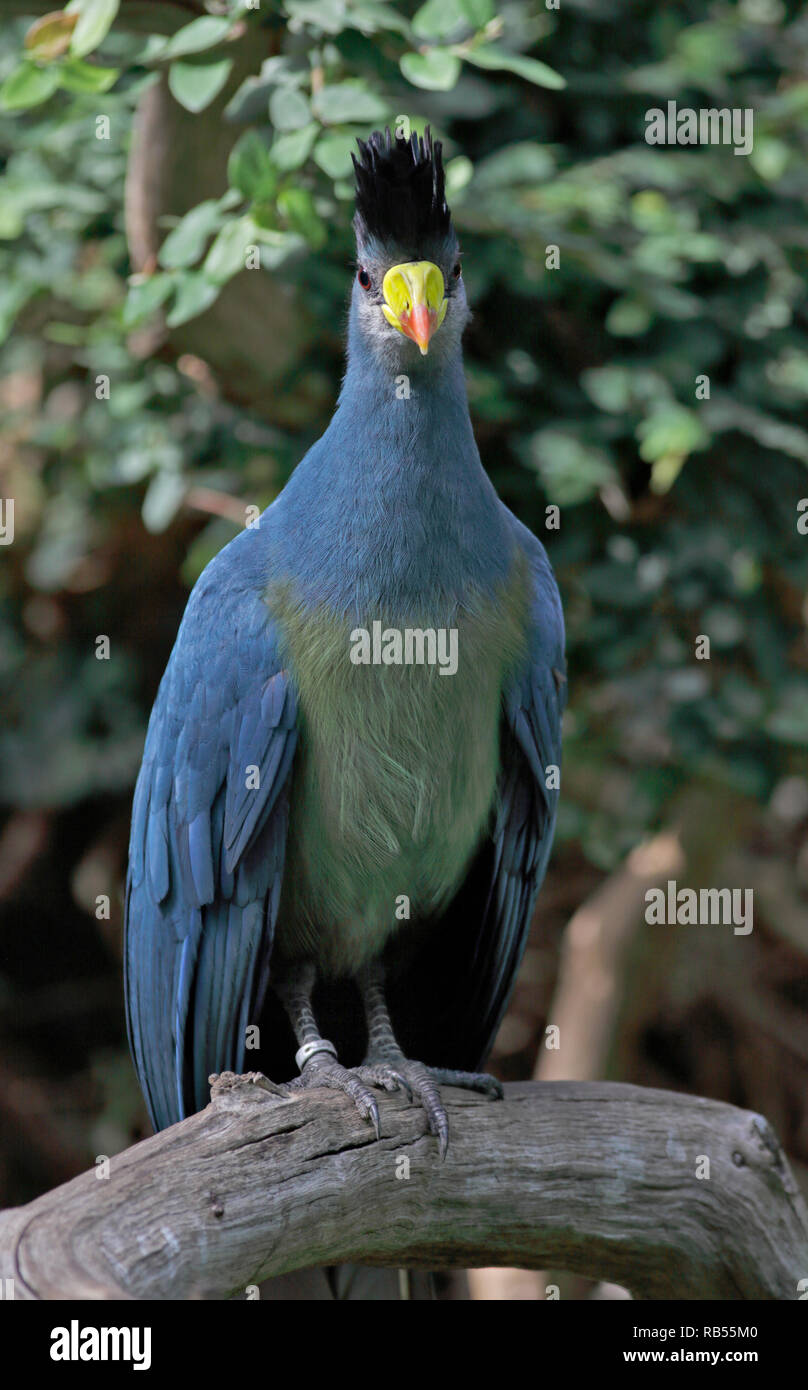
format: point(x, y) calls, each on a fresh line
point(317, 1057)
point(423, 1081)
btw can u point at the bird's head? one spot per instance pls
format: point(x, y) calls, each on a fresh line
point(408, 289)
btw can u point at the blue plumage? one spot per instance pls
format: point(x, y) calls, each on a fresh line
point(390, 512)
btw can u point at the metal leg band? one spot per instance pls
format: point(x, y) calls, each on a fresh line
point(310, 1049)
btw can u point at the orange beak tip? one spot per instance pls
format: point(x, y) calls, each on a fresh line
point(419, 326)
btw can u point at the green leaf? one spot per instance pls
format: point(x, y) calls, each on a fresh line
point(12, 299)
point(227, 255)
point(12, 218)
point(609, 387)
point(788, 722)
point(249, 101)
point(478, 12)
point(571, 469)
point(152, 51)
point(671, 429)
point(369, 16)
point(202, 33)
point(348, 101)
point(769, 158)
point(163, 499)
point(296, 205)
point(328, 15)
point(292, 150)
point(28, 86)
point(276, 247)
point(333, 155)
point(83, 78)
point(628, 317)
point(437, 70)
point(493, 58)
point(459, 173)
point(195, 294)
point(128, 399)
point(288, 109)
point(196, 85)
point(437, 18)
point(143, 299)
point(265, 215)
point(185, 243)
point(250, 168)
point(521, 163)
point(95, 19)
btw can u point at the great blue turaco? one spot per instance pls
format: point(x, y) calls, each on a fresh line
point(347, 852)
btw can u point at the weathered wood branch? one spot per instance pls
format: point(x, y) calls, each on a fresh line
point(595, 1178)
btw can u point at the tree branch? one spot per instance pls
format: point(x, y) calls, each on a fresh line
point(595, 1178)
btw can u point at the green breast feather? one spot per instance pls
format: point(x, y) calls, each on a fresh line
point(396, 769)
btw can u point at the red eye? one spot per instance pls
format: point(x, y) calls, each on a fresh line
point(457, 270)
point(363, 278)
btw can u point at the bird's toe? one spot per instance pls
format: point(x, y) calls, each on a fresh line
point(478, 1081)
point(420, 1084)
point(381, 1074)
point(425, 1087)
point(334, 1077)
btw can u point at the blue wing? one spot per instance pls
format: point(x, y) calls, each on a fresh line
point(208, 839)
point(525, 824)
point(449, 999)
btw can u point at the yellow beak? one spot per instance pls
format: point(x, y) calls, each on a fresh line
point(414, 301)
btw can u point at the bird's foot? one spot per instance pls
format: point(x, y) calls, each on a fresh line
point(423, 1082)
point(323, 1070)
point(419, 1081)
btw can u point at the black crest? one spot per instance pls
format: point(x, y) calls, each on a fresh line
point(400, 193)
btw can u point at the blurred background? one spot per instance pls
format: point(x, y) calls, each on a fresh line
point(151, 389)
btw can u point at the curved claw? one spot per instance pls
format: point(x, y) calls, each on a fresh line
point(373, 1115)
point(436, 1116)
point(441, 1130)
point(334, 1077)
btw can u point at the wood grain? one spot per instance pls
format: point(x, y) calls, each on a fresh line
point(597, 1178)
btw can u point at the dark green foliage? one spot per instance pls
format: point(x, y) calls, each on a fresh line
point(678, 515)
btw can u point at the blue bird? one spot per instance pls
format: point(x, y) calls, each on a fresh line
point(349, 784)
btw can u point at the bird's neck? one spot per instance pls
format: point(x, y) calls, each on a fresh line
point(397, 480)
point(402, 433)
